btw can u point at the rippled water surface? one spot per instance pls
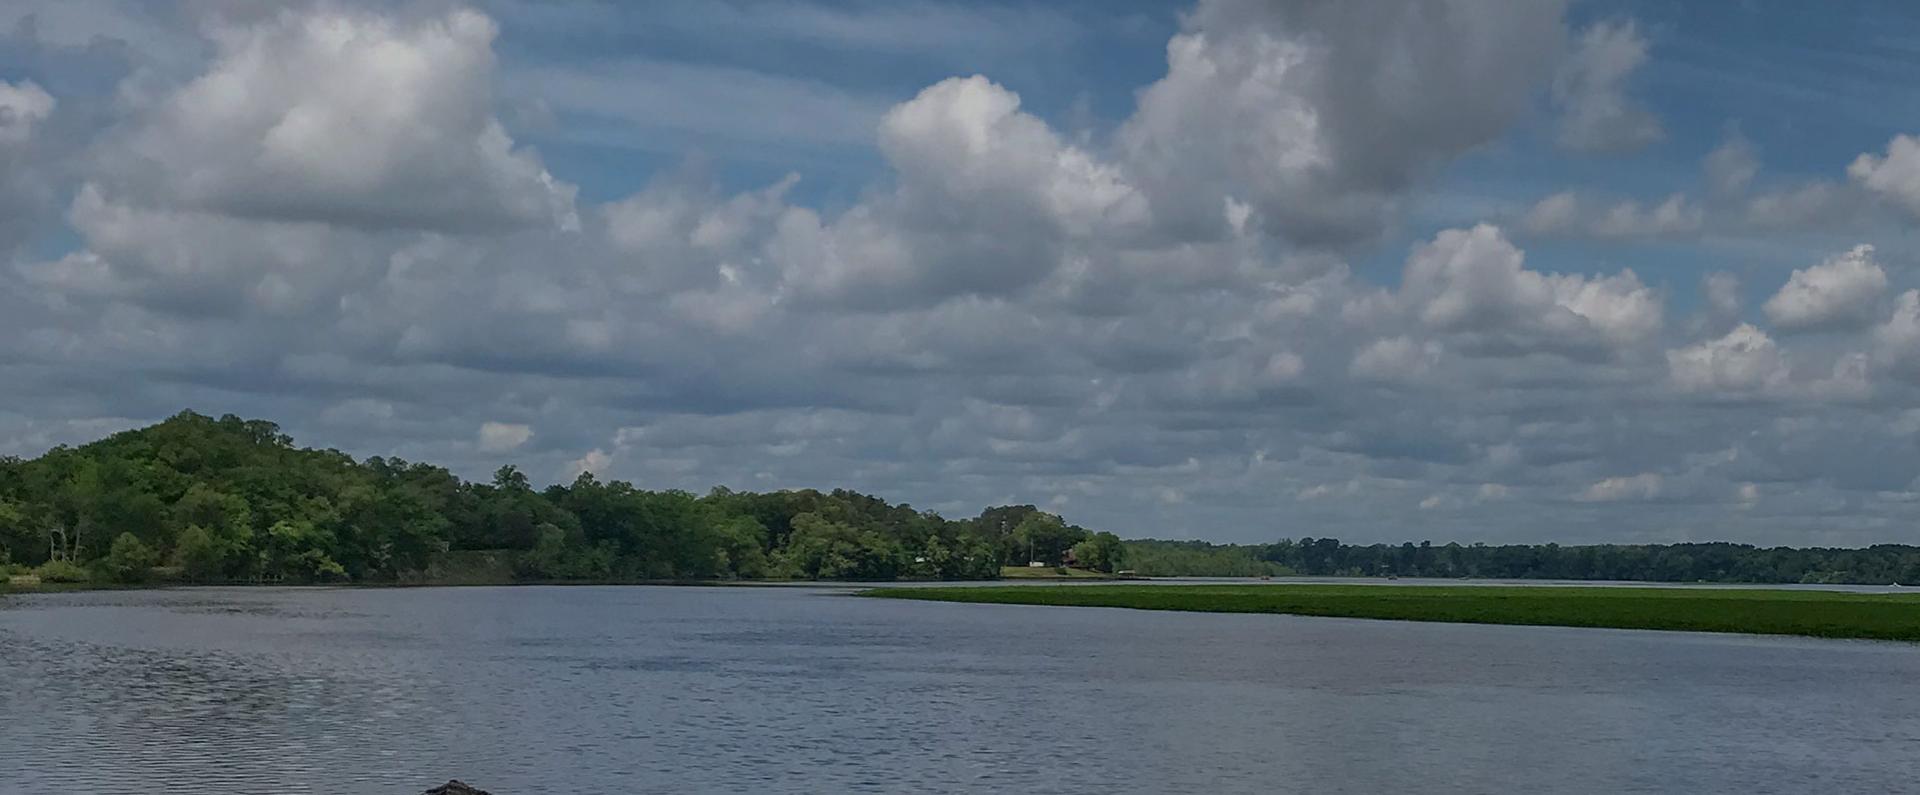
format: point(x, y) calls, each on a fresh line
point(672, 690)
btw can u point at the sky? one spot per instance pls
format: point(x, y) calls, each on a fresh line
point(1480, 271)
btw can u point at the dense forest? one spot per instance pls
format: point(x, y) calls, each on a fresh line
point(197, 499)
point(1711, 562)
point(203, 500)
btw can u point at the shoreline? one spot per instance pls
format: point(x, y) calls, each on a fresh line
point(48, 588)
point(23, 585)
point(1745, 611)
point(1006, 582)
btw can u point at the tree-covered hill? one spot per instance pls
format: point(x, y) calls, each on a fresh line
point(234, 500)
point(200, 499)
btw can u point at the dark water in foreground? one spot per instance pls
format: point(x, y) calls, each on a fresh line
point(671, 690)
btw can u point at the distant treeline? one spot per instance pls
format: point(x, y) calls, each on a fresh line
point(1713, 562)
point(199, 499)
point(204, 500)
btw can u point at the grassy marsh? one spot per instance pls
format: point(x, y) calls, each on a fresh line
point(1826, 614)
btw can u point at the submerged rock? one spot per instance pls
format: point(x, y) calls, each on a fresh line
point(455, 787)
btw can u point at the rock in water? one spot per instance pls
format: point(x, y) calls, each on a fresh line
point(455, 787)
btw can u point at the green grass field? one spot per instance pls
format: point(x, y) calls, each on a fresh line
point(1823, 614)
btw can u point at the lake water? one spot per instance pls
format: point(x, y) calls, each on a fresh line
point(685, 690)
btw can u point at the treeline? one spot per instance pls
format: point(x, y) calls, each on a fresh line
point(1710, 562)
point(1153, 558)
point(204, 500)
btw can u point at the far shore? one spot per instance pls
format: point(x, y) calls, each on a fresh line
point(1012, 581)
point(25, 584)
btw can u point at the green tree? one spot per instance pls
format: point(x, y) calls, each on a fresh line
point(556, 556)
point(296, 549)
point(216, 538)
point(962, 557)
point(742, 547)
point(209, 507)
point(826, 550)
point(1103, 552)
point(17, 541)
point(130, 560)
point(199, 555)
point(1046, 538)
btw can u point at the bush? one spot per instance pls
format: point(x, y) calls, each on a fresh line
point(130, 559)
point(314, 565)
point(62, 571)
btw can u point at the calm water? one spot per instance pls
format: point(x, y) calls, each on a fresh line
point(673, 690)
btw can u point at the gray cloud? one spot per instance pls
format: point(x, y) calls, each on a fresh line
point(1596, 115)
point(1732, 201)
point(1319, 115)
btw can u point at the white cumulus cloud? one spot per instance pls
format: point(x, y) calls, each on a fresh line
point(1745, 359)
point(22, 105)
point(1396, 359)
point(1897, 339)
point(347, 117)
point(1894, 176)
point(1841, 292)
point(1569, 215)
point(500, 437)
point(968, 159)
point(1475, 281)
point(595, 462)
point(1627, 488)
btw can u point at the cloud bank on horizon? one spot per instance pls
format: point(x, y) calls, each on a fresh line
point(1450, 270)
